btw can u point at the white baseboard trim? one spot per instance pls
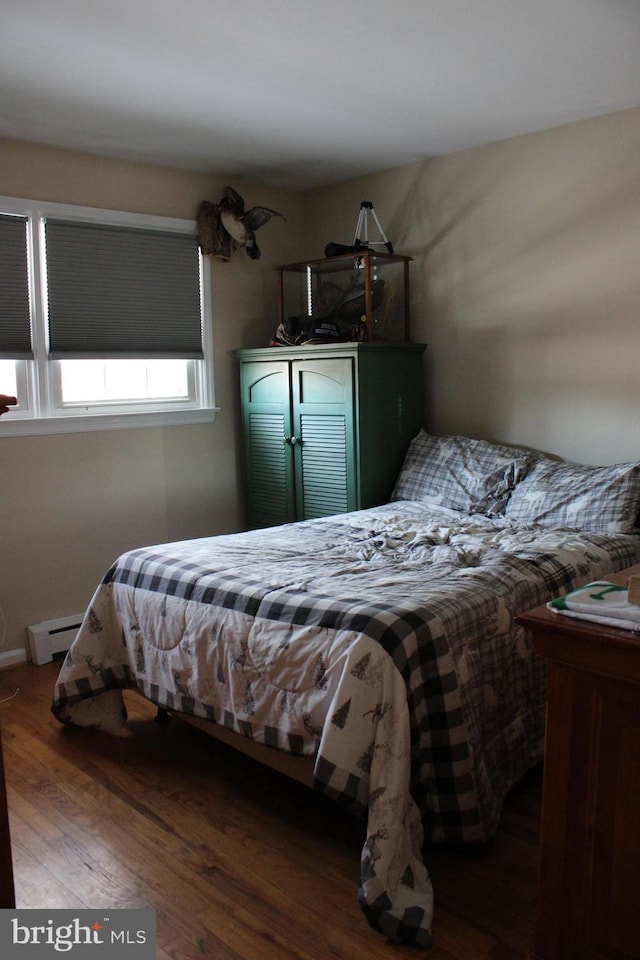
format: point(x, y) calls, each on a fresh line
point(11, 658)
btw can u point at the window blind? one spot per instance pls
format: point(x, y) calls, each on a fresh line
point(118, 291)
point(15, 317)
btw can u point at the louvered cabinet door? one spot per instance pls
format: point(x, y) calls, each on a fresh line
point(326, 427)
point(323, 436)
point(268, 451)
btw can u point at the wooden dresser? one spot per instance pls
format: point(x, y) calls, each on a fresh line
point(589, 894)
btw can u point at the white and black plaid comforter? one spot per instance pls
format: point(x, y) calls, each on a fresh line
point(382, 641)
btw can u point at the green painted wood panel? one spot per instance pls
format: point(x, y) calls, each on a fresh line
point(270, 488)
point(326, 428)
point(390, 393)
point(323, 421)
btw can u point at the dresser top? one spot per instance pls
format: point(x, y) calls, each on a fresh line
point(586, 643)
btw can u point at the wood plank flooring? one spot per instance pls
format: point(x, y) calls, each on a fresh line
point(239, 862)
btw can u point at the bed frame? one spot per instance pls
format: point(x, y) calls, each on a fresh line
point(296, 767)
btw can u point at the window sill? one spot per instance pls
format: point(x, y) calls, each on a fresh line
point(109, 421)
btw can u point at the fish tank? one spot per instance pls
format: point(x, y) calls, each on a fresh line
point(357, 296)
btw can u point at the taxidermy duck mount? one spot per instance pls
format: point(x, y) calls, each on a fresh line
point(226, 225)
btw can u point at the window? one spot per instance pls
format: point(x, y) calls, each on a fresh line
point(105, 319)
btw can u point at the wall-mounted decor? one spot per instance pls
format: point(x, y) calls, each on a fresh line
point(226, 225)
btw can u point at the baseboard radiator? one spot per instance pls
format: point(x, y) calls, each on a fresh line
point(51, 637)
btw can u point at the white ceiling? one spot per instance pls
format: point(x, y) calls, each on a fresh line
point(298, 93)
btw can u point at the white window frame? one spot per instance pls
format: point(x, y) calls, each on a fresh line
point(39, 377)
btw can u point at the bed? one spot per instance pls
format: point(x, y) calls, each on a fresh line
point(380, 646)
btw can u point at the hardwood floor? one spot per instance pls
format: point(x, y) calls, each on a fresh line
point(238, 862)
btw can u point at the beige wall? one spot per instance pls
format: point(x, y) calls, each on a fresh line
point(72, 502)
point(525, 282)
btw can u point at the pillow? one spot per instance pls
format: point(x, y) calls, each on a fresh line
point(473, 476)
point(598, 499)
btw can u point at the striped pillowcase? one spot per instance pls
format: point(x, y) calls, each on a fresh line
point(471, 476)
point(582, 497)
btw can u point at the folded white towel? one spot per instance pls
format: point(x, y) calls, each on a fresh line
point(601, 601)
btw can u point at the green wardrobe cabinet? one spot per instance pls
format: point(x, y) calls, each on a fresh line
point(325, 428)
